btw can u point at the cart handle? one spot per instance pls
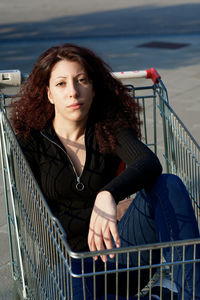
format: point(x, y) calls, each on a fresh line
point(150, 73)
point(16, 78)
point(12, 78)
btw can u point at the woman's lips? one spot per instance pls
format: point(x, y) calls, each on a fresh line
point(75, 106)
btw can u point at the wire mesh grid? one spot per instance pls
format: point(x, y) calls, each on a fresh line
point(41, 259)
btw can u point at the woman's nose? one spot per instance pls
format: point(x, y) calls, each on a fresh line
point(73, 89)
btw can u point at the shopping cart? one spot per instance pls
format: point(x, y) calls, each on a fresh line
point(36, 238)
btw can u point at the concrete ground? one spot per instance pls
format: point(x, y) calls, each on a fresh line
point(116, 30)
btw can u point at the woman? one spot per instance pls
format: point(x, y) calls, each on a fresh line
point(76, 124)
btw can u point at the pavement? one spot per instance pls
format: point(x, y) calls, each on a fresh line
point(116, 30)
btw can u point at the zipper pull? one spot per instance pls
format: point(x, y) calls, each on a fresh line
point(79, 185)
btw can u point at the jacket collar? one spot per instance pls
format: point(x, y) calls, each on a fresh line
point(50, 133)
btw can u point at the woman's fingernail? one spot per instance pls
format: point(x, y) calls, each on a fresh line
point(104, 258)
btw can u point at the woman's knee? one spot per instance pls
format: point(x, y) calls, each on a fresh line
point(169, 189)
point(170, 181)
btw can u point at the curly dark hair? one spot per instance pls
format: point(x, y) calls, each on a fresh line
point(112, 107)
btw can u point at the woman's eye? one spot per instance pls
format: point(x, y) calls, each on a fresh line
point(62, 83)
point(83, 80)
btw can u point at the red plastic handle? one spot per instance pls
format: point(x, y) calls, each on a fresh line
point(153, 74)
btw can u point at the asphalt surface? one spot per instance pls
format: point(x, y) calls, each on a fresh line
point(116, 30)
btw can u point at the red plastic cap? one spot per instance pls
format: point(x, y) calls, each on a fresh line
point(153, 74)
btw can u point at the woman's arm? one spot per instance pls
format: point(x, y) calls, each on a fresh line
point(143, 166)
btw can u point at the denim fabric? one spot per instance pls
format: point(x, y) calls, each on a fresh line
point(163, 214)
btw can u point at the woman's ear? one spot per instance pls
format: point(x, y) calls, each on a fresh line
point(49, 95)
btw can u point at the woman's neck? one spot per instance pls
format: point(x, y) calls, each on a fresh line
point(69, 131)
point(72, 136)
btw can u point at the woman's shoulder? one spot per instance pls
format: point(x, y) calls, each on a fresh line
point(126, 133)
point(128, 144)
point(28, 140)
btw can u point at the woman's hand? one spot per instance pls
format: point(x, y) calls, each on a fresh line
point(122, 207)
point(103, 224)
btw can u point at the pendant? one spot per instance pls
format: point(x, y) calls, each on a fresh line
point(80, 186)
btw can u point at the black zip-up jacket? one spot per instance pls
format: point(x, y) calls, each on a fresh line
point(71, 198)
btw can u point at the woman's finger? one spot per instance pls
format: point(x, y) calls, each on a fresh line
point(98, 235)
point(95, 236)
point(108, 240)
point(115, 234)
point(91, 242)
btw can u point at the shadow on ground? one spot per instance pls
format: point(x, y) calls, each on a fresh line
point(147, 23)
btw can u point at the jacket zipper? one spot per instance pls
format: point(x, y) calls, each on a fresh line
point(79, 185)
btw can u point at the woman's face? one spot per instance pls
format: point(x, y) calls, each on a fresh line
point(71, 91)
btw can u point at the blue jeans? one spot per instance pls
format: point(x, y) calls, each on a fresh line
point(163, 214)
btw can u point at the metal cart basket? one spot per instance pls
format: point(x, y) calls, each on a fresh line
point(37, 241)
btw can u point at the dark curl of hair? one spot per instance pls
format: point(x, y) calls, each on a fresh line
point(112, 107)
